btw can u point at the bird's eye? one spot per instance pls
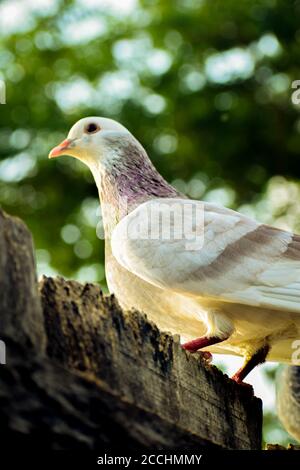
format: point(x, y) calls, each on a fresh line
point(92, 128)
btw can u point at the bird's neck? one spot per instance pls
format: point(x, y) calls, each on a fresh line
point(125, 184)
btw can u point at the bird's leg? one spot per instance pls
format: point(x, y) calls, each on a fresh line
point(257, 358)
point(219, 328)
point(202, 342)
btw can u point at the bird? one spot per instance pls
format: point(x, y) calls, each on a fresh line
point(222, 281)
point(288, 398)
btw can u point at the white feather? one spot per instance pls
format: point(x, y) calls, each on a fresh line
point(232, 265)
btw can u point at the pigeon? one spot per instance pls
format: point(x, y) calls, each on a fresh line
point(224, 282)
point(288, 399)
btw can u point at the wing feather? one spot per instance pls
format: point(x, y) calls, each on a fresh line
point(240, 261)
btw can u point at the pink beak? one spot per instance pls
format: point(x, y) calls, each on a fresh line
point(60, 149)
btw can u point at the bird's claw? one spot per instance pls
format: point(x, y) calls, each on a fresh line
point(206, 355)
point(237, 380)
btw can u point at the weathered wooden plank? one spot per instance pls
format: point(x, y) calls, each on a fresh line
point(20, 308)
point(89, 332)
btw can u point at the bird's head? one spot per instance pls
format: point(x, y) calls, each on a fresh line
point(87, 139)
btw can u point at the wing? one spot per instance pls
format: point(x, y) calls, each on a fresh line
point(201, 249)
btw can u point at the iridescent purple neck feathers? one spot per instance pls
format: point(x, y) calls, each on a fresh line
point(127, 178)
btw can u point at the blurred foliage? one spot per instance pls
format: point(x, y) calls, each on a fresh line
point(273, 432)
point(205, 86)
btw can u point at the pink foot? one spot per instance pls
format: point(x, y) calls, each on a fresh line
point(237, 378)
point(206, 355)
point(242, 384)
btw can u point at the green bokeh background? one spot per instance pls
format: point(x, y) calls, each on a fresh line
point(206, 86)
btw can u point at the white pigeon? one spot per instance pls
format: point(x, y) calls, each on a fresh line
point(219, 279)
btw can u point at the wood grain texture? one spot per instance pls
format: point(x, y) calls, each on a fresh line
point(107, 376)
point(20, 307)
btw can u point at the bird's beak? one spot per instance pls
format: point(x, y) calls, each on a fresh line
point(62, 148)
